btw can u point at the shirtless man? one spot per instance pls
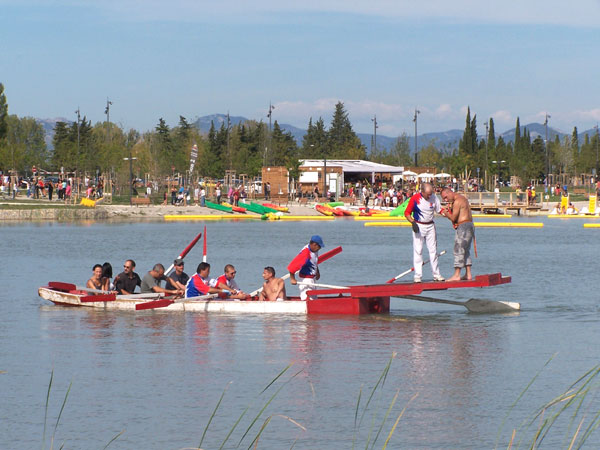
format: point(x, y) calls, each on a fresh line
point(459, 213)
point(273, 289)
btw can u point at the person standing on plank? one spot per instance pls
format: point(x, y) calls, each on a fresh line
point(419, 212)
point(306, 264)
point(459, 213)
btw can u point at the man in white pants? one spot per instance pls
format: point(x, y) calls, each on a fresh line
point(306, 264)
point(419, 212)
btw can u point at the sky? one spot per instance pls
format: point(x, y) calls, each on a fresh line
point(385, 58)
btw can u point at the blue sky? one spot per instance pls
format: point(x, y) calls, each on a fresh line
point(193, 58)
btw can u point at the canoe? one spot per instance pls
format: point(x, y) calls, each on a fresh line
point(252, 207)
point(218, 207)
point(324, 210)
point(277, 207)
point(334, 204)
point(345, 212)
point(341, 300)
point(266, 208)
point(234, 208)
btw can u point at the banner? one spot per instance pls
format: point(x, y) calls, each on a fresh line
point(193, 156)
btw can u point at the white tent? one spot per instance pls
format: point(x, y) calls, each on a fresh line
point(442, 175)
point(408, 173)
point(425, 176)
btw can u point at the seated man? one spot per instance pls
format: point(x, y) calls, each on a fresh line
point(199, 284)
point(151, 282)
point(273, 289)
point(227, 282)
point(127, 280)
point(178, 279)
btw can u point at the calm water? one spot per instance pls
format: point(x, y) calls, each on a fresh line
point(158, 375)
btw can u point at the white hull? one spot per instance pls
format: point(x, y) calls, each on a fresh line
point(129, 302)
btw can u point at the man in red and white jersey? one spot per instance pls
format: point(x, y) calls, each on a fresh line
point(227, 282)
point(305, 263)
point(419, 212)
point(199, 284)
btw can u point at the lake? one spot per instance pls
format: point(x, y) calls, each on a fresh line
point(158, 375)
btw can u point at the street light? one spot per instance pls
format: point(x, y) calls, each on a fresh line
point(130, 159)
point(547, 183)
point(498, 163)
point(415, 121)
point(597, 137)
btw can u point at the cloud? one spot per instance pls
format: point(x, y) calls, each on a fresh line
point(503, 117)
point(582, 13)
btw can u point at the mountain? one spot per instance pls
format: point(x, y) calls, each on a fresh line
point(446, 140)
point(49, 125)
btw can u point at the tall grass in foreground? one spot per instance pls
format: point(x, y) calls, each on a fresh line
point(378, 417)
point(577, 406)
point(62, 408)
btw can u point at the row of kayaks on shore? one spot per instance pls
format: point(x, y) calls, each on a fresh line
point(243, 207)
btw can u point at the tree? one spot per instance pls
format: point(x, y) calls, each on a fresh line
point(468, 145)
point(3, 113)
point(342, 141)
point(284, 148)
point(314, 143)
point(575, 149)
point(25, 144)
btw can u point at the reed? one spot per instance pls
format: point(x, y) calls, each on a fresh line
point(576, 409)
point(62, 408)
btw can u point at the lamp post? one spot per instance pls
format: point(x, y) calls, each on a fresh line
point(107, 112)
point(374, 120)
point(415, 121)
point(485, 170)
point(498, 163)
point(269, 114)
point(130, 159)
point(547, 183)
point(597, 137)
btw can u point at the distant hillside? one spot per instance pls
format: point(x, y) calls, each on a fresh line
point(446, 140)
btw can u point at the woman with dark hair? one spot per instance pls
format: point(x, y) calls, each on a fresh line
point(96, 281)
point(106, 277)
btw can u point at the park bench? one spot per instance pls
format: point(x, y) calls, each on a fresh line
point(140, 201)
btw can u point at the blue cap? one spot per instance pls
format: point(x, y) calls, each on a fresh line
point(317, 240)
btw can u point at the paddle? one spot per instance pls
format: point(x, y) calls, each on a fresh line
point(474, 305)
point(397, 277)
point(185, 251)
point(164, 302)
point(322, 258)
point(204, 246)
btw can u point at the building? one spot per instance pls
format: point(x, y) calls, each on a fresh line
point(341, 172)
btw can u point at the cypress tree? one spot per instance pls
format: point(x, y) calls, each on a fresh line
point(3, 113)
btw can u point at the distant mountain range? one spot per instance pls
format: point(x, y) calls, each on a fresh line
point(442, 139)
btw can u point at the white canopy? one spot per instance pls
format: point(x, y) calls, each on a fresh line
point(425, 175)
point(442, 175)
point(408, 173)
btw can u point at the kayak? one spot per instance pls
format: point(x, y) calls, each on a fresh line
point(277, 207)
point(399, 211)
point(266, 208)
point(346, 212)
point(255, 208)
point(234, 208)
point(324, 210)
point(218, 207)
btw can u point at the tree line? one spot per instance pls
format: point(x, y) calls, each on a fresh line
point(105, 148)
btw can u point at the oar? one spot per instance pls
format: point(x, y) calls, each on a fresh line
point(397, 277)
point(164, 302)
point(185, 251)
point(474, 305)
point(322, 258)
point(204, 246)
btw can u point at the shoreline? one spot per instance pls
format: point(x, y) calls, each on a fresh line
point(60, 212)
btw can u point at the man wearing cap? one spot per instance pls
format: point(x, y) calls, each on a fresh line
point(178, 279)
point(305, 263)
